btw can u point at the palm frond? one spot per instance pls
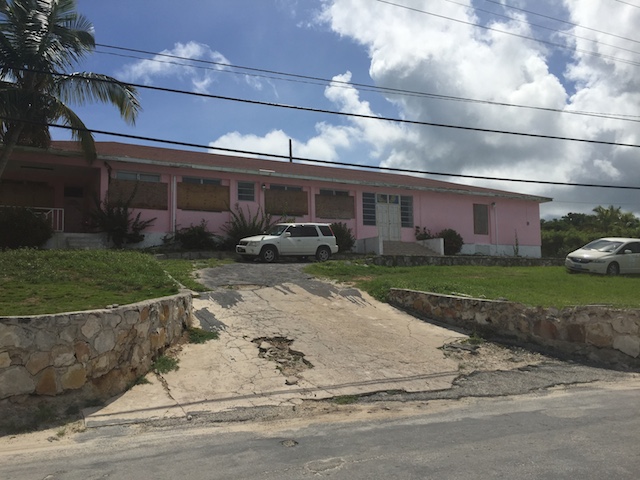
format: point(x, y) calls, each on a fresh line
point(85, 87)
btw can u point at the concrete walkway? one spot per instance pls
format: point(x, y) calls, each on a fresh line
point(284, 338)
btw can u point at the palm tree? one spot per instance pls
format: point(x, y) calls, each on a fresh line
point(39, 41)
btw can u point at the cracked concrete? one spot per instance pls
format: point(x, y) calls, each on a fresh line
point(351, 345)
point(355, 344)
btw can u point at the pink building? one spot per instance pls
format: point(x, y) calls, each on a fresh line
point(183, 188)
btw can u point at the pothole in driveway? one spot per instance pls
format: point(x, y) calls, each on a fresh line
point(290, 363)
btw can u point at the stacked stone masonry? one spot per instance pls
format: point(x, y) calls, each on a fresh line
point(598, 333)
point(95, 353)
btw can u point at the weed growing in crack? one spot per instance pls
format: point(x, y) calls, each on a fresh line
point(197, 335)
point(474, 339)
point(164, 364)
point(345, 399)
point(142, 380)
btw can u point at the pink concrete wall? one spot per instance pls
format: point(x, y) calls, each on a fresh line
point(432, 210)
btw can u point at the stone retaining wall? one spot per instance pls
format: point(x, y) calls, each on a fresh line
point(598, 333)
point(487, 261)
point(95, 354)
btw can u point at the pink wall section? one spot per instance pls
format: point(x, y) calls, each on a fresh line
point(433, 210)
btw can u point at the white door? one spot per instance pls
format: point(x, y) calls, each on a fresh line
point(388, 221)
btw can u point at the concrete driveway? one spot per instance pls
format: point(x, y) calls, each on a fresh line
point(286, 337)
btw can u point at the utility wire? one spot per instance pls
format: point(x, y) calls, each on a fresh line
point(348, 114)
point(627, 3)
point(543, 27)
point(292, 77)
point(326, 162)
point(505, 5)
point(558, 45)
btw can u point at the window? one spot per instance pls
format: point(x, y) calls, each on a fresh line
point(246, 191)
point(201, 181)
point(309, 231)
point(480, 219)
point(326, 230)
point(633, 246)
point(334, 193)
point(369, 208)
point(288, 188)
point(406, 211)
point(142, 177)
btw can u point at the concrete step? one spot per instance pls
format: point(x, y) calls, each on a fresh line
point(85, 241)
point(406, 249)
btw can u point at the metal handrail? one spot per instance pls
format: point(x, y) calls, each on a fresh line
point(54, 215)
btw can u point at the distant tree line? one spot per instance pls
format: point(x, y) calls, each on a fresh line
point(563, 235)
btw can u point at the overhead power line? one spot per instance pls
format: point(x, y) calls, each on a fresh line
point(544, 27)
point(506, 5)
point(292, 77)
point(350, 114)
point(553, 44)
point(326, 162)
point(627, 3)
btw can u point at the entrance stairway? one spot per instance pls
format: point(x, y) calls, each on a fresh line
point(406, 249)
point(84, 241)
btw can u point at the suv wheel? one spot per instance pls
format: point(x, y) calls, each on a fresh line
point(269, 254)
point(323, 254)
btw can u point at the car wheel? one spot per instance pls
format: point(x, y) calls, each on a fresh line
point(323, 254)
point(269, 254)
point(613, 269)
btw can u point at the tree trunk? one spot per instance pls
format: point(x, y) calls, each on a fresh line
point(9, 145)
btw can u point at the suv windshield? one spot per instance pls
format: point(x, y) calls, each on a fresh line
point(602, 245)
point(278, 230)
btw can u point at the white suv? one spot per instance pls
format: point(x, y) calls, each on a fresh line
point(290, 240)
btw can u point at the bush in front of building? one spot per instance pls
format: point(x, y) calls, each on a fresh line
point(344, 237)
point(23, 228)
point(244, 225)
point(452, 241)
point(115, 219)
point(196, 237)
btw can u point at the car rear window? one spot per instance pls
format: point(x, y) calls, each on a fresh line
point(309, 231)
point(326, 230)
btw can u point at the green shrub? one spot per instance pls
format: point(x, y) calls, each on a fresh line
point(23, 228)
point(196, 237)
point(114, 218)
point(452, 241)
point(344, 237)
point(423, 234)
point(244, 225)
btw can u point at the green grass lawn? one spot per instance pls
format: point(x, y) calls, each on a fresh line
point(535, 286)
point(36, 282)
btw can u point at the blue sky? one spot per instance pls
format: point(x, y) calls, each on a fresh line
point(480, 49)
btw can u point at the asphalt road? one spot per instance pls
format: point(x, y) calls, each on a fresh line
point(588, 432)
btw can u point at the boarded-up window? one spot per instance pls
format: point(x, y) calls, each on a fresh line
point(150, 195)
point(26, 194)
point(480, 219)
point(286, 203)
point(335, 206)
point(203, 197)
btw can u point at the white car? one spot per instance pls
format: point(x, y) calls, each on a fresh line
point(607, 256)
point(290, 240)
